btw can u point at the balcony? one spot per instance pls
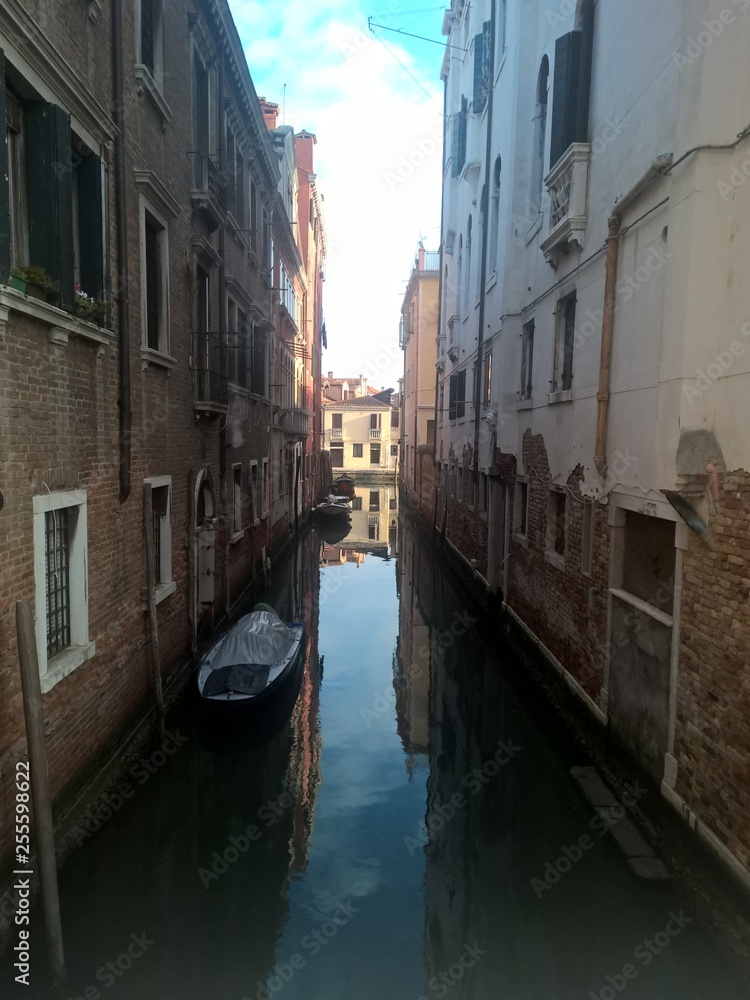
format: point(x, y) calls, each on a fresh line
point(299, 423)
point(373, 520)
point(337, 433)
point(566, 184)
point(210, 383)
point(375, 433)
point(209, 192)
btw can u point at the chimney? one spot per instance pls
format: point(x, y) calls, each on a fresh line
point(420, 256)
point(270, 113)
point(330, 376)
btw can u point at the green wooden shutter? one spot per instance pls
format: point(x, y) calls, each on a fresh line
point(50, 184)
point(480, 95)
point(565, 94)
point(90, 225)
point(5, 237)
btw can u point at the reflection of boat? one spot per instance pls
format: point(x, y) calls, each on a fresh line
point(332, 529)
point(333, 506)
point(343, 486)
point(251, 659)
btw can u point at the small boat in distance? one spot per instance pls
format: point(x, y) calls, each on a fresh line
point(251, 659)
point(333, 506)
point(343, 486)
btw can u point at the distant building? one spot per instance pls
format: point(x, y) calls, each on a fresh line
point(418, 340)
point(357, 433)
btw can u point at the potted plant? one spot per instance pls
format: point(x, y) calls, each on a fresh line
point(87, 307)
point(33, 281)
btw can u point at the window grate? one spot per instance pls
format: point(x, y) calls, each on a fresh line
point(152, 285)
point(57, 566)
point(147, 34)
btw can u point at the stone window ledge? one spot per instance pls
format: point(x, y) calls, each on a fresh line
point(525, 404)
point(561, 396)
point(151, 87)
point(62, 325)
point(65, 663)
point(151, 357)
point(555, 559)
point(237, 536)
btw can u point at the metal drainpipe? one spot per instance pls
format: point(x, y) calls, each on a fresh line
point(657, 168)
point(121, 221)
point(483, 264)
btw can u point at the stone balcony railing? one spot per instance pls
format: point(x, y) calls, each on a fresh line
point(337, 433)
point(376, 433)
point(566, 184)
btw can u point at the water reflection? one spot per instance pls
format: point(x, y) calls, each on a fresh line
point(375, 835)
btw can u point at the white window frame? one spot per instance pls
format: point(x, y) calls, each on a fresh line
point(157, 77)
point(164, 555)
point(162, 353)
point(81, 648)
point(264, 488)
point(254, 492)
point(238, 530)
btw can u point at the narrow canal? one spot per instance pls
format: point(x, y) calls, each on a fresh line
point(397, 825)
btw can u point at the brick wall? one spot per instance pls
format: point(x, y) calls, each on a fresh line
point(565, 608)
point(712, 739)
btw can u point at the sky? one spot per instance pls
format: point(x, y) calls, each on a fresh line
point(374, 101)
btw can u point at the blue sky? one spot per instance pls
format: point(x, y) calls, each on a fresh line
point(374, 101)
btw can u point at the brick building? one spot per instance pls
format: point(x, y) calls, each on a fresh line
point(141, 379)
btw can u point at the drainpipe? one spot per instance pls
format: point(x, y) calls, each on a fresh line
point(660, 165)
point(483, 264)
point(121, 221)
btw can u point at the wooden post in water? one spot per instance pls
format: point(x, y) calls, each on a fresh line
point(31, 692)
point(153, 622)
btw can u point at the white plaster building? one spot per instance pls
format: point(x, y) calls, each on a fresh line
point(593, 366)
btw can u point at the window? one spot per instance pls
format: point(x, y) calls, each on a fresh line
point(572, 85)
point(201, 125)
point(466, 291)
point(565, 324)
point(520, 508)
point(457, 392)
point(394, 419)
point(54, 218)
point(255, 496)
point(61, 584)
point(375, 425)
point(394, 449)
point(154, 280)
point(258, 369)
point(152, 39)
point(374, 454)
point(540, 136)
point(556, 511)
point(237, 501)
point(374, 500)
point(357, 451)
point(527, 359)
point(337, 456)
point(431, 432)
point(487, 393)
point(264, 488)
point(495, 215)
point(373, 532)
point(587, 538)
point(357, 503)
point(161, 528)
point(458, 139)
point(481, 68)
point(337, 421)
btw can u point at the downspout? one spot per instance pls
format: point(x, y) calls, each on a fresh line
point(222, 436)
point(121, 222)
point(660, 165)
point(483, 263)
point(440, 289)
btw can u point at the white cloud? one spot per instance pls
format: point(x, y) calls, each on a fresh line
point(377, 159)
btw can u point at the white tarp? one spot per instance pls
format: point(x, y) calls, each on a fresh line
point(259, 638)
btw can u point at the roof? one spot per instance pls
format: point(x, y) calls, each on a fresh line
point(358, 403)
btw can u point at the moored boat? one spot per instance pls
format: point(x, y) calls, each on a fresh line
point(251, 659)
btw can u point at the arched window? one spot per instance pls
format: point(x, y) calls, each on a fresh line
point(467, 274)
point(495, 214)
point(460, 274)
point(540, 136)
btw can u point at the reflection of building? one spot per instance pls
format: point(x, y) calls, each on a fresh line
point(357, 433)
point(419, 324)
point(334, 555)
point(374, 513)
point(412, 669)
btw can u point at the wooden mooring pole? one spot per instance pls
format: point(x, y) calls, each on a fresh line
point(31, 692)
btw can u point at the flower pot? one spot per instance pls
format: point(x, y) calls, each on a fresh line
point(18, 283)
